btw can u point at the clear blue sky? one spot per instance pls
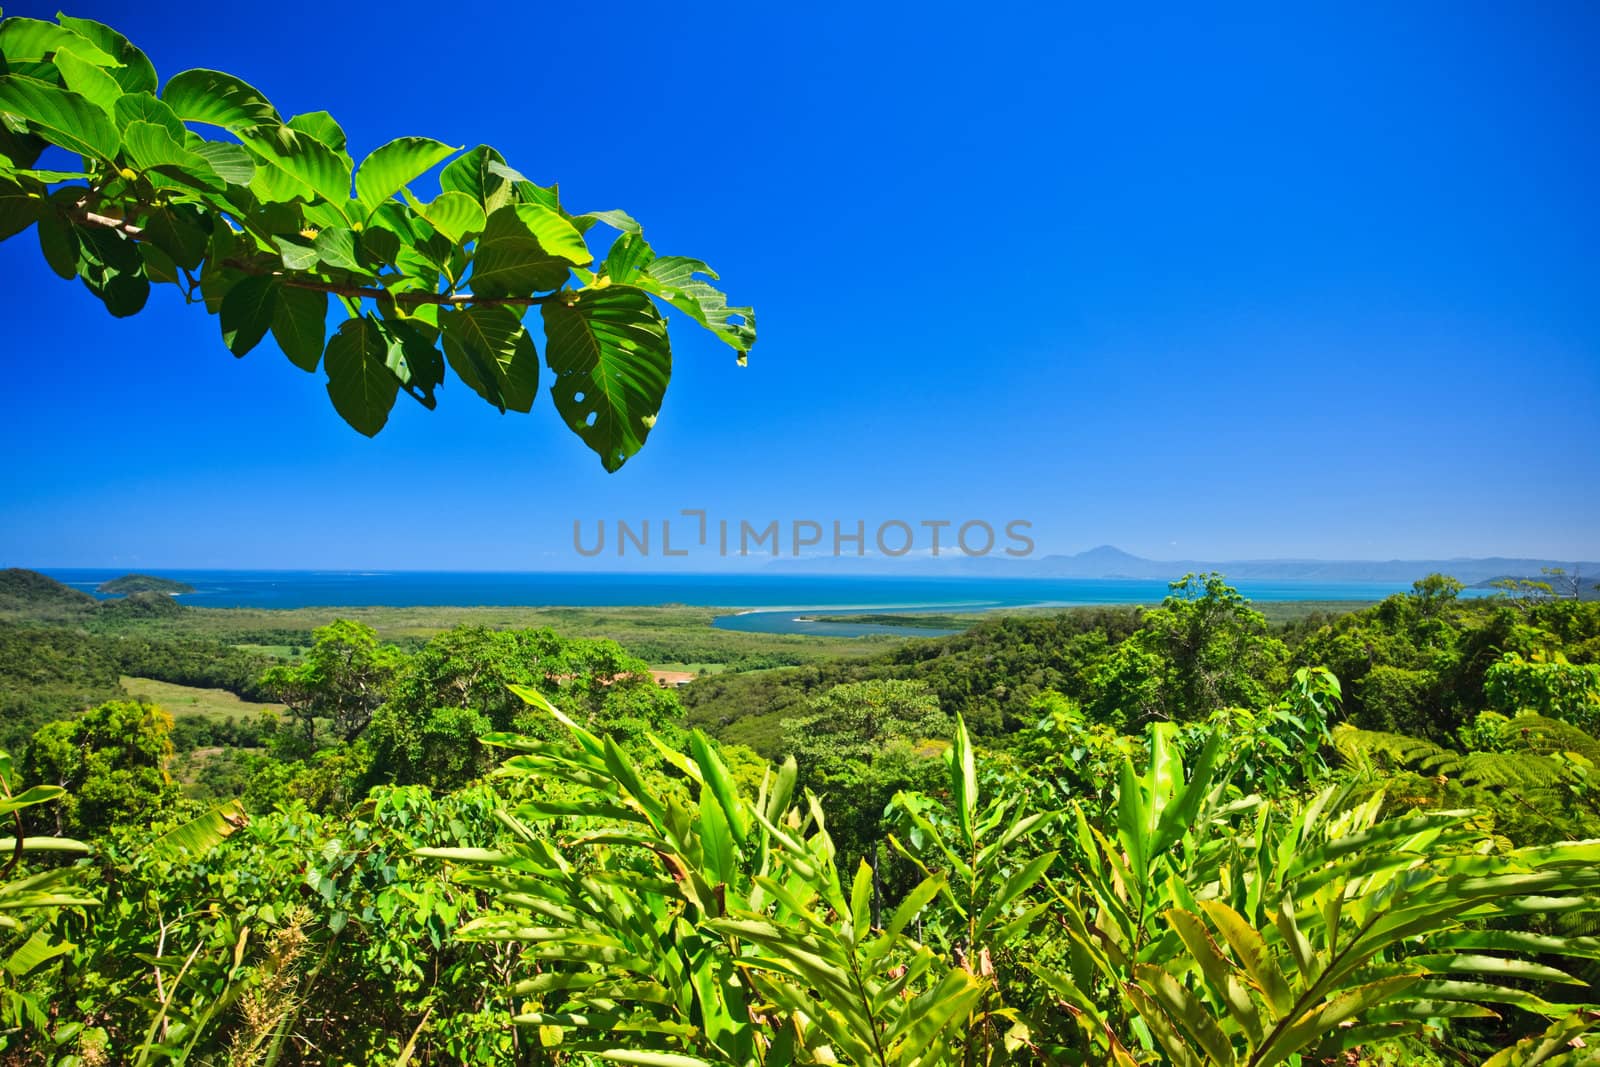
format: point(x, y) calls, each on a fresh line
point(1262, 281)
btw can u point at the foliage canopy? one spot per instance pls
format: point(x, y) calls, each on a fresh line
point(271, 223)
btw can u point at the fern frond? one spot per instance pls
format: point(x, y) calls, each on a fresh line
point(1379, 750)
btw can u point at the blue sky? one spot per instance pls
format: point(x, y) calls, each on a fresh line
point(1240, 283)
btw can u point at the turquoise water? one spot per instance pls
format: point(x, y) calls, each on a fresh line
point(783, 596)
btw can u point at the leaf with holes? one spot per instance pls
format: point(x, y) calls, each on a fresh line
point(609, 350)
point(413, 358)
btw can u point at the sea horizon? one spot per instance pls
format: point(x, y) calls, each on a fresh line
point(746, 592)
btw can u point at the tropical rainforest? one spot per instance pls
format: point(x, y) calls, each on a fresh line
point(1176, 834)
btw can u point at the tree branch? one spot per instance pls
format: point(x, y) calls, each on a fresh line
point(84, 216)
point(377, 292)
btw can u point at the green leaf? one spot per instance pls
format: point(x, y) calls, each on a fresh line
point(652, 1059)
point(88, 80)
point(456, 215)
point(490, 350)
point(30, 40)
point(147, 107)
point(337, 248)
point(247, 312)
point(63, 117)
point(716, 840)
point(673, 279)
point(202, 833)
point(609, 351)
point(58, 242)
point(413, 359)
point(617, 220)
point(393, 166)
point(299, 325)
point(131, 67)
point(182, 231)
point(33, 953)
point(112, 269)
point(360, 383)
point(861, 903)
point(963, 779)
point(231, 162)
point(150, 145)
point(469, 174)
point(316, 167)
point(218, 99)
point(716, 776)
point(321, 126)
point(524, 248)
point(20, 208)
point(297, 254)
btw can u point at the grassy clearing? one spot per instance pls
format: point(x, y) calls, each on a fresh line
point(187, 700)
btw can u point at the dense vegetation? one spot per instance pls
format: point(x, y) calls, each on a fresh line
point(1171, 837)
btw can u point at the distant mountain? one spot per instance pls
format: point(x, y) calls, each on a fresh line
point(1108, 561)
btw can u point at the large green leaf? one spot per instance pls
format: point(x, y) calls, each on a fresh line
point(30, 40)
point(609, 350)
point(134, 71)
point(182, 231)
point(151, 145)
point(525, 248)
point(360, 383)
point(58, 243)
point(321, 126)
point(112, 268)
point(302, 158)
point(231, 162)
point(338, 248)
point(218, 99)
point(456, 215)
point(202, 833)
point(88, 80)
point(395, 165)
point(20, 208)
point(490, 350)
point(247, 312)
point(299, 325)
point(62, 116)
point(470, 174)
point(147, 107)
point(677, 280)
point(413, 358)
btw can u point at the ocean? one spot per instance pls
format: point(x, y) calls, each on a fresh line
point(782, 596)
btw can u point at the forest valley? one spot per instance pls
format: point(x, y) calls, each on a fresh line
point(1178, 835)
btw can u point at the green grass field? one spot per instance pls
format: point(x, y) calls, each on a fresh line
point(186, 700)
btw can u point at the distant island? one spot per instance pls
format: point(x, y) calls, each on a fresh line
point(913, 622)
point(143, 583)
